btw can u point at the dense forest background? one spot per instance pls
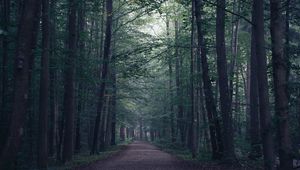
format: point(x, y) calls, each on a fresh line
point(219, 80)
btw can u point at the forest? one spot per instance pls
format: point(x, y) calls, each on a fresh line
point(217, 81)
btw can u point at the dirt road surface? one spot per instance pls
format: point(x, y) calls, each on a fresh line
point(144, 156)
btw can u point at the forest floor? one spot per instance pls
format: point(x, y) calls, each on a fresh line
point(144, 156)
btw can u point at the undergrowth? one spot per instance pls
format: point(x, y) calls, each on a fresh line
point(204, 157)
point(84, 159)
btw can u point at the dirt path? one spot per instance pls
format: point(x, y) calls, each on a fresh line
point(144, 156)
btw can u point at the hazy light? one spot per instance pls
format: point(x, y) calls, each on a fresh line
point(155, 26)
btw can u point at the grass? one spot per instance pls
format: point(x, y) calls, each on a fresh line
point(205, 157)
point(84, 159)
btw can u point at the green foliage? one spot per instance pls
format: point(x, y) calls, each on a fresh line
point(84, 159)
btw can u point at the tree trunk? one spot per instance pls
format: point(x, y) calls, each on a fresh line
point(113, 104)
point(59, 136)
point(178, 88)
point(122, 133)
point(108, 122)
point(214, 125)
point(77, 145)
point(287, 36)
point(191, 128)
point(225, 104)
point(262, 77)
point(173, 135)
point(4, 115)
point(53, 84)
point(107, 45)
point(81, 45)
point(280, 75)
point(44, 89)
point(234, 47)
point(141, 129)
point(247, 97)
point(24, 51)
point(254, 110)
point(69, 101)
point(103, 122)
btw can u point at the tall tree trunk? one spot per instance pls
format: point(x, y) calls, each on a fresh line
point(59, 136)
point(191, 128)
point(262, 77)
point(254, 110)
point(53, 83)
point(107, 45)
point(214, 125)
point(178, 87)
point(247, 97)
point(108, 122)
point(4, 115)
point(287, 36)
point(228, 136)
point(44, 89)
point(77, 145)
point(81, 45)
point(234, 46)
point(173, 134)
point(32, 107)
point(5, 47)
point(113, 102)
point(69, 100)
point(24, 51)
point(280, 72)
point(103, 122)
point(113, 108)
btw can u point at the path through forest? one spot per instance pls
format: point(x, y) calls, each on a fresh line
point(144, 156)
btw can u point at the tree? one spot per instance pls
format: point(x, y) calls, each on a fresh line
point(44, 89)
point(214, 125)
point(254, 110)
point(104, 71)
point(265, 115)
point(280, 78)
point(228, 153)
point(191, 138)
point(180, 122)
point(69, 103)
point(23, 53)
point(4, 116)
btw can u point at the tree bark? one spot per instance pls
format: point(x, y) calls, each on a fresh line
point(228, 153)
point(53, 83)
point(234, 47)
point(5, 47)
point(254, 110)
point(4, 115)
point(287, 36)
point(44, 89)
point(69, 100)
point(191, 128)
point(113, 104)
point(214, 125)
point(24, 51)
point(170, 69)
point(280, 78)
point(178, 88)
point(262, 77)
point(108, 122)
point(107, 46)
point(81, 89)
